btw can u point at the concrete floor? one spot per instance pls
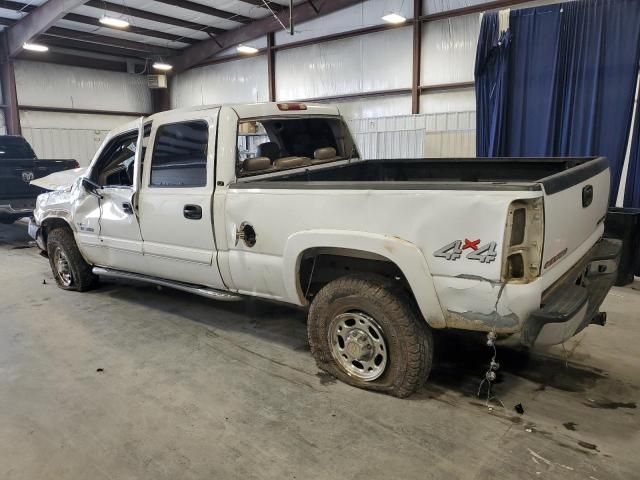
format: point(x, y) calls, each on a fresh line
point(130, 382)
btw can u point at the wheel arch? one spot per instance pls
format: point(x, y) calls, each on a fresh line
point(51, 223)
point(395, 253)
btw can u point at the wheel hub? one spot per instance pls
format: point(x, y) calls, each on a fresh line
point(62, 267)
point(358, 346)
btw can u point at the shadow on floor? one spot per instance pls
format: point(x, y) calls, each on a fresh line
point(460, 359)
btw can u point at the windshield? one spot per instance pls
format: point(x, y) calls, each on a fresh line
point(15, 147)
point(272, 144)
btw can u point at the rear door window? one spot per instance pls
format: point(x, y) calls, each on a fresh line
point(180, 155)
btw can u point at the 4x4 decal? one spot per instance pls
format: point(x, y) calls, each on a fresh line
point(454, 250)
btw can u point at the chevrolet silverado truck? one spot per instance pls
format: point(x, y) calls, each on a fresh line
point(273, 201)
point(18, 166)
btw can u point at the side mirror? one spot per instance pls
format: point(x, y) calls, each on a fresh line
point(91, 187)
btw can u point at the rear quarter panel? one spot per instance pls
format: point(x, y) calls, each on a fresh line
point(426, 219)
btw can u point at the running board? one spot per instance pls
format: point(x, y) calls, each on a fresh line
point(185, 287)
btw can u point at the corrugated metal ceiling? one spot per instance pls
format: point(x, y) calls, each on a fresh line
point(170, 24)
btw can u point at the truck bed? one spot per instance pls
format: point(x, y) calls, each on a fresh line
point(451, 173)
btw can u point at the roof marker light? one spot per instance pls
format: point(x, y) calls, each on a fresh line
point(285, 107)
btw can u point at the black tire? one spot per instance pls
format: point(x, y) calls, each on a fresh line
point(408, 339)
point(61, 242)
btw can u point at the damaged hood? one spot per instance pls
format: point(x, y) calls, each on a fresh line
point(59, 180)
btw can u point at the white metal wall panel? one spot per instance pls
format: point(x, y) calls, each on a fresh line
point(449, 50)
point(378, 61)
point(236, 81)
point(435, 6)
point(63, 86)
point(67, 135)
point(449, 134)
point(364, 14)
point(374, 107)
point(398, 136)
point(460, 100)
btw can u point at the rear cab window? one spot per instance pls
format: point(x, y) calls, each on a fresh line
point(179, 157)
point(279, 143)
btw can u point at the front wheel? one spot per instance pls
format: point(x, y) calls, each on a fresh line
point(364, 331)
point(69, 269)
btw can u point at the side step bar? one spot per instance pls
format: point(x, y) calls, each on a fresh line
point(185, 287)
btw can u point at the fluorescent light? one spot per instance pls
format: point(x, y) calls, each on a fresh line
point(114, 22)
point(162, 66)
point(394, 18)
point(35, 47)
point(247, 49)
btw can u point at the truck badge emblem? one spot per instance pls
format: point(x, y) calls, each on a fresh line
point(454, 250)
point(27, 176)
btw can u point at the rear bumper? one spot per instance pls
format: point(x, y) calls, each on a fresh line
point(572, 304)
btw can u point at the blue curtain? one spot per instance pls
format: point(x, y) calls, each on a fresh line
point(492, 64)
point(570, 78)
point(632, 187)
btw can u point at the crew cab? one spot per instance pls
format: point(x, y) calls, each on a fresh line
point(18, 166)
point(273, 201)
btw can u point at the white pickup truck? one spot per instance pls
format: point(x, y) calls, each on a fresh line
point(273, 201)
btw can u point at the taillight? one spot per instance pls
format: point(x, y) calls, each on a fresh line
point(523, 240)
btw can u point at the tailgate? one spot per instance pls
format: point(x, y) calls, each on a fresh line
point(575, 205)
point(15, 175)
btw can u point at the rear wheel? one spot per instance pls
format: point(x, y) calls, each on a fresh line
point(364, 331)
point(69, 269)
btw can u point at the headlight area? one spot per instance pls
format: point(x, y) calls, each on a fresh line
point(523, 241)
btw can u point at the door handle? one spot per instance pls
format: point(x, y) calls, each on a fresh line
point(126, 206)
point(192, 212)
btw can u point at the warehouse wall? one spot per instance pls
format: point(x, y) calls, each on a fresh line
point(366, 63)
point(68, 134)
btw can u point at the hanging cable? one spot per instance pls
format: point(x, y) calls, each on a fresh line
point(290, 29)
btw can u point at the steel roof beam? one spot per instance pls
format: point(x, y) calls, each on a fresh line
point(37, 22)
point(155, 17)
point(302, 12)
point(200, 8)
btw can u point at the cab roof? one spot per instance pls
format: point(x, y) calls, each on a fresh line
point(253, 110)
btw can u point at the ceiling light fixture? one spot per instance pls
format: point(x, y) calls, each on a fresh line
point(394, 18)
point(35, 47)
point(114, 22)
point(162, 66)
point(247, 49)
